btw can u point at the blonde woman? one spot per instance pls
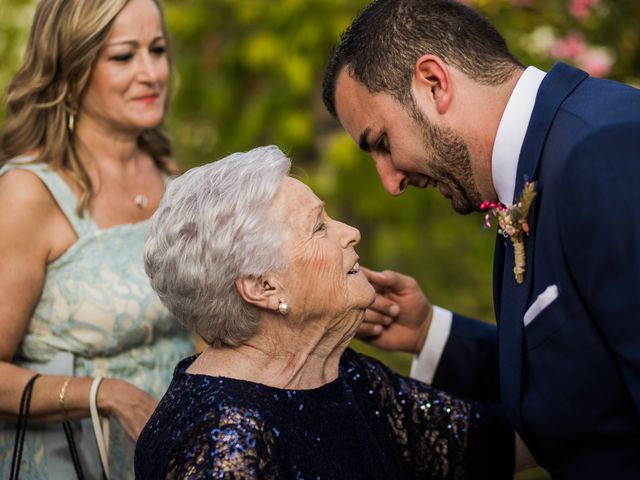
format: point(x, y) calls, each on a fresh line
point(84, 165)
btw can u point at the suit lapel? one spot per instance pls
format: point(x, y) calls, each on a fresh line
point(555, 88)
point(511, 298)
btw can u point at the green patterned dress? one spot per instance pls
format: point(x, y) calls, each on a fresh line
point(97, 315)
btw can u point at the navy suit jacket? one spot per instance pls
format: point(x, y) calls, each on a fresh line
point(570, 380)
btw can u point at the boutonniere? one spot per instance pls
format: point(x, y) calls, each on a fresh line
point(513, 222)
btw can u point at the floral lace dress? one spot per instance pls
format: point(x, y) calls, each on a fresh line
point(97, 315)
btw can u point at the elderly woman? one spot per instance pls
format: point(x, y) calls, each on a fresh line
point(247, 257)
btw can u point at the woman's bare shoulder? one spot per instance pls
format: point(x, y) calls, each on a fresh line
point(30, 215)
point(22, 190)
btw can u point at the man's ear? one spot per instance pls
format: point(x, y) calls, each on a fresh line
point(433, 80)
point(258, 291)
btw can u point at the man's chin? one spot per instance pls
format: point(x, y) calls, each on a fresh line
point(461, 206)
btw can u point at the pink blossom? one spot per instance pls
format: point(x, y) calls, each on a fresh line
point(596, 62)
point(569, 46)
point(580, 8)
point(486, 205)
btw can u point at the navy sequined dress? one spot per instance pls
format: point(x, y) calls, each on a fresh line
point(370, 423)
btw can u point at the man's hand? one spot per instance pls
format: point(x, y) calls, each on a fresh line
point(400, 316)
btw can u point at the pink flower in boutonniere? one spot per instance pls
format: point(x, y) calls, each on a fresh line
point(513, 221)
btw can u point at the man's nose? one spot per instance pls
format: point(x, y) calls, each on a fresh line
point(394, 181)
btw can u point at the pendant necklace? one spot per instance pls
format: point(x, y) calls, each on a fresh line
point(141, 201)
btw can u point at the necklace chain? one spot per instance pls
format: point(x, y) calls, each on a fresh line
point(140, 199)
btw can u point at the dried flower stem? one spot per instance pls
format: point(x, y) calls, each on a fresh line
point(513, 222)
point(520, 261)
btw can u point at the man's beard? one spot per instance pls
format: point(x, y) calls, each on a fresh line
point(451, 162)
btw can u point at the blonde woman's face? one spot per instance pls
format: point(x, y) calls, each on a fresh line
point(128, 85)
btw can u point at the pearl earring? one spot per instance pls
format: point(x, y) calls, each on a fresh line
point(283, 307)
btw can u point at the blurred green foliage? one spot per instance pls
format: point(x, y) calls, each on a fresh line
point(248, 72)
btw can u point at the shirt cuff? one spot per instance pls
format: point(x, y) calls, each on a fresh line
point(424, 365)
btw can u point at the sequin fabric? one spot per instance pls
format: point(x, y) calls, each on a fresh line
point(370, 423)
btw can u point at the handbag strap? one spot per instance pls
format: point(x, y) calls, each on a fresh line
point(101, 431)
point(23, 415)
point(75, 458)
point(21, 430)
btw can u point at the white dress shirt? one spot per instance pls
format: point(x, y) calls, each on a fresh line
point(504, 164)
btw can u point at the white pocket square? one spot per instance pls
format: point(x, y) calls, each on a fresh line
point(543, 301)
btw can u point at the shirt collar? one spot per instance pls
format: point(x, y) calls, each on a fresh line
point(511, 132)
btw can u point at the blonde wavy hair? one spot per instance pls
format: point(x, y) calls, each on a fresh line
point(65, 39)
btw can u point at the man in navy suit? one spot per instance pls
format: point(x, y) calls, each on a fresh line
point(431, 91)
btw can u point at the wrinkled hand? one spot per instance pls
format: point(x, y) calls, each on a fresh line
point(130, 406)
point(400, 316)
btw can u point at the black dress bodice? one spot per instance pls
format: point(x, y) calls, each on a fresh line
point(370, 423)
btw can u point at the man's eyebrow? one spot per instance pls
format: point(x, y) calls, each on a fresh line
point(364, 140)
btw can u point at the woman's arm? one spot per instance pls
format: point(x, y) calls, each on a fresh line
point(440, 433)
point(33, 232)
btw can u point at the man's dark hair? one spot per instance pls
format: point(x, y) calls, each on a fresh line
point(381, 46)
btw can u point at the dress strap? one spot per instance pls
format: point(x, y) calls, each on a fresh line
point(60, 191)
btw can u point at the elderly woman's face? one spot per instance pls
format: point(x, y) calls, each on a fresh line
point(323, 276)
point(128, 85)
